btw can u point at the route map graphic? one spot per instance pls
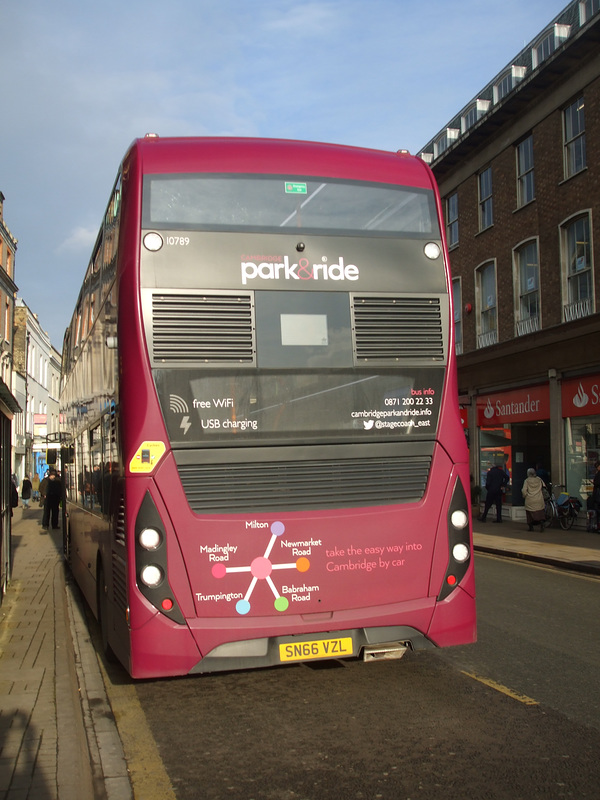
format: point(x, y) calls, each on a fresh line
point(261, 568)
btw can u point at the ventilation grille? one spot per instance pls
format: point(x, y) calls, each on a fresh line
point(212, 328)
point(391, 329)
point(295, 485)
point(119, 581)
point(120, 521)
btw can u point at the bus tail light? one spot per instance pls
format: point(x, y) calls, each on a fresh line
point(151, 561)
point(459, 541)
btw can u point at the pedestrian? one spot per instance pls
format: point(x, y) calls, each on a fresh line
point(535, 505)
point(495, 485)
point(593, 502)
point(43, 487)
point(52, 500)
point(35, 487)
point(26, 489)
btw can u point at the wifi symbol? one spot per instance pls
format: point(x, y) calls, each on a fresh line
point(178, 405)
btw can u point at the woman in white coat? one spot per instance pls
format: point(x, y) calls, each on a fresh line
point(534, 500)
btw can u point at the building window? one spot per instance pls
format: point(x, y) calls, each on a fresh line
point(525, 180)
point(452, 220)
point(507, 82)
point(587, 9)
point(578, 297)
point(486, 212)
point(448, 137)
point(574, 138)
point(527, 275)
point(474, 113)
point(457, 303)
point(548, 43)
point(487, 317)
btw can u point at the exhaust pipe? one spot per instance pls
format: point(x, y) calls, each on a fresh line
point(384, 652)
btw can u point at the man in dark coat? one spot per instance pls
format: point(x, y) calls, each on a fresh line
point(495, 483)
point(52, 501)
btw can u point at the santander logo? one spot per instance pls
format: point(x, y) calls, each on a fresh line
point(580, 398)
point(302, 271)
point(489, 410)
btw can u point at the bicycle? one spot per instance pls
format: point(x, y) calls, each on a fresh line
point(563, 507)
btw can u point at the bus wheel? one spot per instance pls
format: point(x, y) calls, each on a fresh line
point(102, 606)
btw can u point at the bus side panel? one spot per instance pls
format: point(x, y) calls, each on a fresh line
point(83, 553)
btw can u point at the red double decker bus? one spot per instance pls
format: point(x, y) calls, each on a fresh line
point(265, 461)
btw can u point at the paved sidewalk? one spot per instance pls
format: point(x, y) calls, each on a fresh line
point(575, 549)
point(58, 740)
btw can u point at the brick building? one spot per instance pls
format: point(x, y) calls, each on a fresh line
point(9, 406)
point(520, 186)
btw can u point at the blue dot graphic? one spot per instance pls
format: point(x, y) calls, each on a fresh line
point(242, 606)
point(277, 528)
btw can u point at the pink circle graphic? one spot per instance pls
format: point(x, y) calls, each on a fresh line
point(261, 567)
point(219, 571)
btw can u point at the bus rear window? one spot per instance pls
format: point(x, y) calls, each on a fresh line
point(234, 202)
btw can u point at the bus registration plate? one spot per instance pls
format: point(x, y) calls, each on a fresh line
point(323, 648)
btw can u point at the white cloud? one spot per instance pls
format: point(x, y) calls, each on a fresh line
point(80, 240)
point(303, 18)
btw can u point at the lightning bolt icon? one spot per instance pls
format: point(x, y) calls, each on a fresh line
point(185, 424)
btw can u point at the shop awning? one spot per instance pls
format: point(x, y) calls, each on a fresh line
point(7, 399)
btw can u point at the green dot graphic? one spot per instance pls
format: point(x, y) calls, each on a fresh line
point(281, 604)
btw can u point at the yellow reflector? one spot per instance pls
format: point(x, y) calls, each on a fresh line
point(147, 456)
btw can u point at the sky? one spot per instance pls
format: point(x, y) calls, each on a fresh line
point(81, 80)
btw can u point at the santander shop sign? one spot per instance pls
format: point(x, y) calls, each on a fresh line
point(581, 396)
point(519, 405)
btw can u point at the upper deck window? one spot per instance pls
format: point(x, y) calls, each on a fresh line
point(273, 203)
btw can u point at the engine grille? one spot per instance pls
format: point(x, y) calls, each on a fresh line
point(203, 328)
point(390, 329)
point(296, 485)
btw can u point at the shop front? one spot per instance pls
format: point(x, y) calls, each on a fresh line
point(514, 431)
point(580, 401)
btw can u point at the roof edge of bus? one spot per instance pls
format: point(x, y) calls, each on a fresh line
point(302, 151)
point(153, 138)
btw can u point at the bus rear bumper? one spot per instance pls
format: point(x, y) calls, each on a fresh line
point(370, 644)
